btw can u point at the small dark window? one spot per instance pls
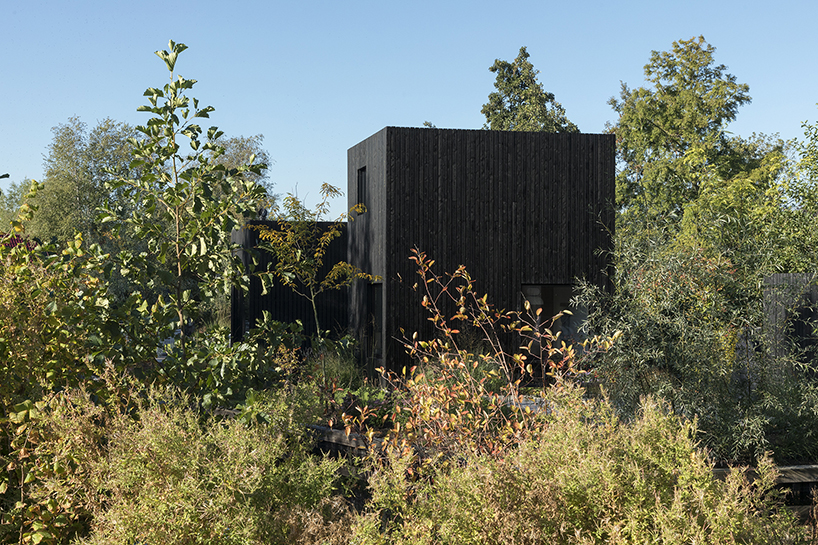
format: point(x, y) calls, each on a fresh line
point(376, 318)
point(363, 198)
point(553, 299)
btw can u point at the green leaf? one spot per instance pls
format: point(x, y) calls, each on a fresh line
point(40, 535)
point(153, 91)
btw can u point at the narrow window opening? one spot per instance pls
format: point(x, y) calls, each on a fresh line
point(363, 199)
point(376, 315)
point(372, 339)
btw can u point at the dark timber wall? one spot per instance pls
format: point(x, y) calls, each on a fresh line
point(280, 301)
point(791, 310)
point(513, 207)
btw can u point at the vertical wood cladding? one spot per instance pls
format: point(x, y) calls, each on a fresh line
point(284, 305)
point(513, 207)
point(791, 311)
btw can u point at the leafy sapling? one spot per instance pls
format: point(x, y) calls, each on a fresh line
point(183, 204)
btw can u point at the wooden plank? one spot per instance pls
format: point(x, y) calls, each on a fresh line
point(798, 474)
point(340, 437)
point(786, 474)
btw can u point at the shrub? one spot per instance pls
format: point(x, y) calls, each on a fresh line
point(153, 469)
point(55, 308)
point(456, 402)
point(48, 303)
point(691, 334)
point(585, 477)
point(471, 464)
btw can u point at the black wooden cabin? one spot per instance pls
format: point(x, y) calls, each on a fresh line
point(525, 212)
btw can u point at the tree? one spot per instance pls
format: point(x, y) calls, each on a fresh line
point(798, 218)
point(704, 217)
point(671, 137)
point(808, 151)
point(680, 170)
point(10, 202)
point(78, 166)
point(188, 205)
point(243, 150)
point(520, 102)
point(300, 245)
point(60, 329)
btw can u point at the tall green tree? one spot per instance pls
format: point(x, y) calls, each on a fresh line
point(738, 215)
point(242, 150)
point(680, 170)
point(671, 135)
point(10, 201)
point(808, 151)
point(79, 164)
point(800, 217)
point(189, 203)
point(704, 217)
point(520, 103)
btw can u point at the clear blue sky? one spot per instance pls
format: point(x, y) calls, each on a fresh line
point(317, 77)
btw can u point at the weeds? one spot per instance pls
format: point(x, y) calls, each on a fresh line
point(584, 477)
point(456, 402)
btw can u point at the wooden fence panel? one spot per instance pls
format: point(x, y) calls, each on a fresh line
point(791, 311)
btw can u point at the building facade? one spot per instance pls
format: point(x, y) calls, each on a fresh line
point(527, 213)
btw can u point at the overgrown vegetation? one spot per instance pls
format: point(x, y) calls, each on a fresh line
point(300, 245)
point(583, 476)
point(127, 419)
point(66, 331)
point(150, 467)
point(693, 334)
point(704, 218)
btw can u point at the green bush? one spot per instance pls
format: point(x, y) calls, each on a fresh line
point(50, 303)
point(587, 477)
point(153, 469)
point(55, 313)
point(692, 326)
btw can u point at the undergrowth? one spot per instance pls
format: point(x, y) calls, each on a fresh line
point(153, 468)
point(584, 476)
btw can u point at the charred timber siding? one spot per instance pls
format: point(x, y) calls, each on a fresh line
point(514, 207)
point(282, 303)
point(791, 311)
